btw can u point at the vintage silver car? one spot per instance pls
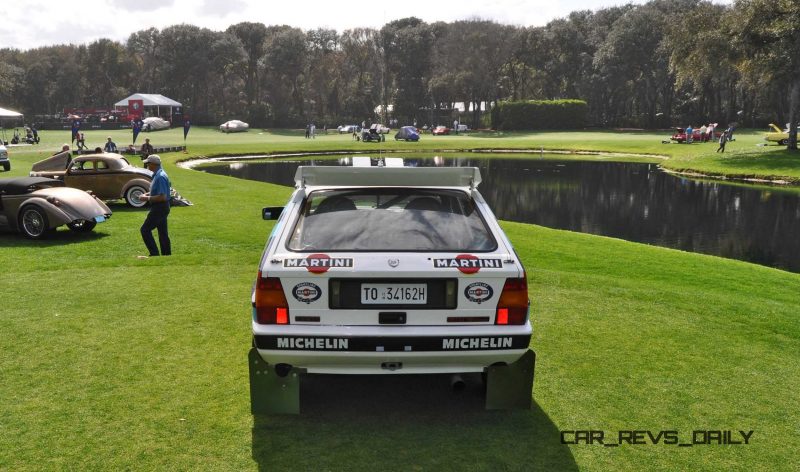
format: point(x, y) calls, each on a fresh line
point(110, 176)
point(389, 270)
point(36, 206)
point(234, 126)
point(155, 123)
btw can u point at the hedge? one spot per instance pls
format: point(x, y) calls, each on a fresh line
point(539, 114)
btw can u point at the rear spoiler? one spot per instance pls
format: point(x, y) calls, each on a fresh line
point(312, 176)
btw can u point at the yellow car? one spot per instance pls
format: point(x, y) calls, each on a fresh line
point(777, 136)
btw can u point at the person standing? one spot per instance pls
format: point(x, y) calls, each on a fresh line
point(308, 131)
point(158, 197)
point(723, 138)
point(81, 141)
point(110, 146)
point(689, 132)
point(313, 131)
point(147, 149)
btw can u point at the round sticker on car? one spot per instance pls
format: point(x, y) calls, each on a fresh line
point(478, 292)
point(306, 292)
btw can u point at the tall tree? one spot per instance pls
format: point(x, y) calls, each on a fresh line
point(767, 37)
point(361, 74)
point(144, 48)
point(407, 47)
point(252, 36)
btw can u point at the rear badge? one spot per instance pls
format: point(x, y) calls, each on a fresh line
point(319, 263)
point(306, 292)
point(394, 262)
point(467, 263)
point(478, 292)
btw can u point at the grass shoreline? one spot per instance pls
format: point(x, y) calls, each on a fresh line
point(110, 362)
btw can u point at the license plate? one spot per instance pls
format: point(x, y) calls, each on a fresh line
point(99, 219)
point(394, 294)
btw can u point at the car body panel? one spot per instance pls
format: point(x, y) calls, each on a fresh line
point(52, 166)
point(62, 205)
point(440, 131)
point(331, 331)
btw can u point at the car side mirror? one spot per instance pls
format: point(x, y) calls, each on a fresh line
point(271, 213)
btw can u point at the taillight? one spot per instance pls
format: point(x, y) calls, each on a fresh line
point(271, 306)
point(512, 309)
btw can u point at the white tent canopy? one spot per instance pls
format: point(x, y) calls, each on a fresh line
point(153, 103)
point(5, 113)
point(149, 100)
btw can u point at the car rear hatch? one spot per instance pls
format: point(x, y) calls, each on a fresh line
point(363, 289)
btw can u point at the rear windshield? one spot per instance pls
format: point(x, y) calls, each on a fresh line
point(390, 219)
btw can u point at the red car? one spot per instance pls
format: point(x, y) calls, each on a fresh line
point(680, 136)
point(440, 130)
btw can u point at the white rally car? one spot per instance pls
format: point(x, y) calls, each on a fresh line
point(388, 270)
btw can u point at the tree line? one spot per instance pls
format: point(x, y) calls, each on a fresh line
point(658, 64)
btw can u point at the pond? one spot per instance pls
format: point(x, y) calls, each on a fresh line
point(631, 201)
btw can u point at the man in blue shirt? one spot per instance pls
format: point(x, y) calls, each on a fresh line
point(159, 208)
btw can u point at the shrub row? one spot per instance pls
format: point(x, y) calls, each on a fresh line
point(539, 114)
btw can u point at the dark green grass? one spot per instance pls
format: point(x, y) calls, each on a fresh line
point(112, 363)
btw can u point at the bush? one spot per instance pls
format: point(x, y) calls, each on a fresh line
point(539, 114)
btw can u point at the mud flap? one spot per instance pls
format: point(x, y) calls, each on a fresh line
point(271, 393)
point(509, 387)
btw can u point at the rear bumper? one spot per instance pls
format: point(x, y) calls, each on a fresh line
point(397, 350)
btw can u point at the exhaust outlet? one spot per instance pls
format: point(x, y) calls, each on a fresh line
point(457, 383)
point(282, 370)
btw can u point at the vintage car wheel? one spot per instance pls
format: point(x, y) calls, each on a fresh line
point(6, 166)
point(132, 196)
point(82, 226)
point(33, 222)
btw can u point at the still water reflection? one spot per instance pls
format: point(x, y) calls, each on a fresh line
point(636, 202)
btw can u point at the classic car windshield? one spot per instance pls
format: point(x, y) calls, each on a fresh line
point(390, 219)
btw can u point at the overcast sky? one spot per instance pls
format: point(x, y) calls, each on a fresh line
point(35, 23)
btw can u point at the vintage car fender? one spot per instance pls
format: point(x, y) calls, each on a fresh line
point(51, 210)
point(141, 182)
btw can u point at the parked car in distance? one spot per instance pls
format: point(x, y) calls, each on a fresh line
point(777, 135)
point(109, 176)
point(36, 206)
point(234, 126)
point(4, 161)
point(407, 133)
point(679, 136)
point(440, 131)
point(379, 128)
point(392, 271)
point(154, 123)
point(347, 129)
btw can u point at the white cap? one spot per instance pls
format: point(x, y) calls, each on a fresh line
point(153, 158)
